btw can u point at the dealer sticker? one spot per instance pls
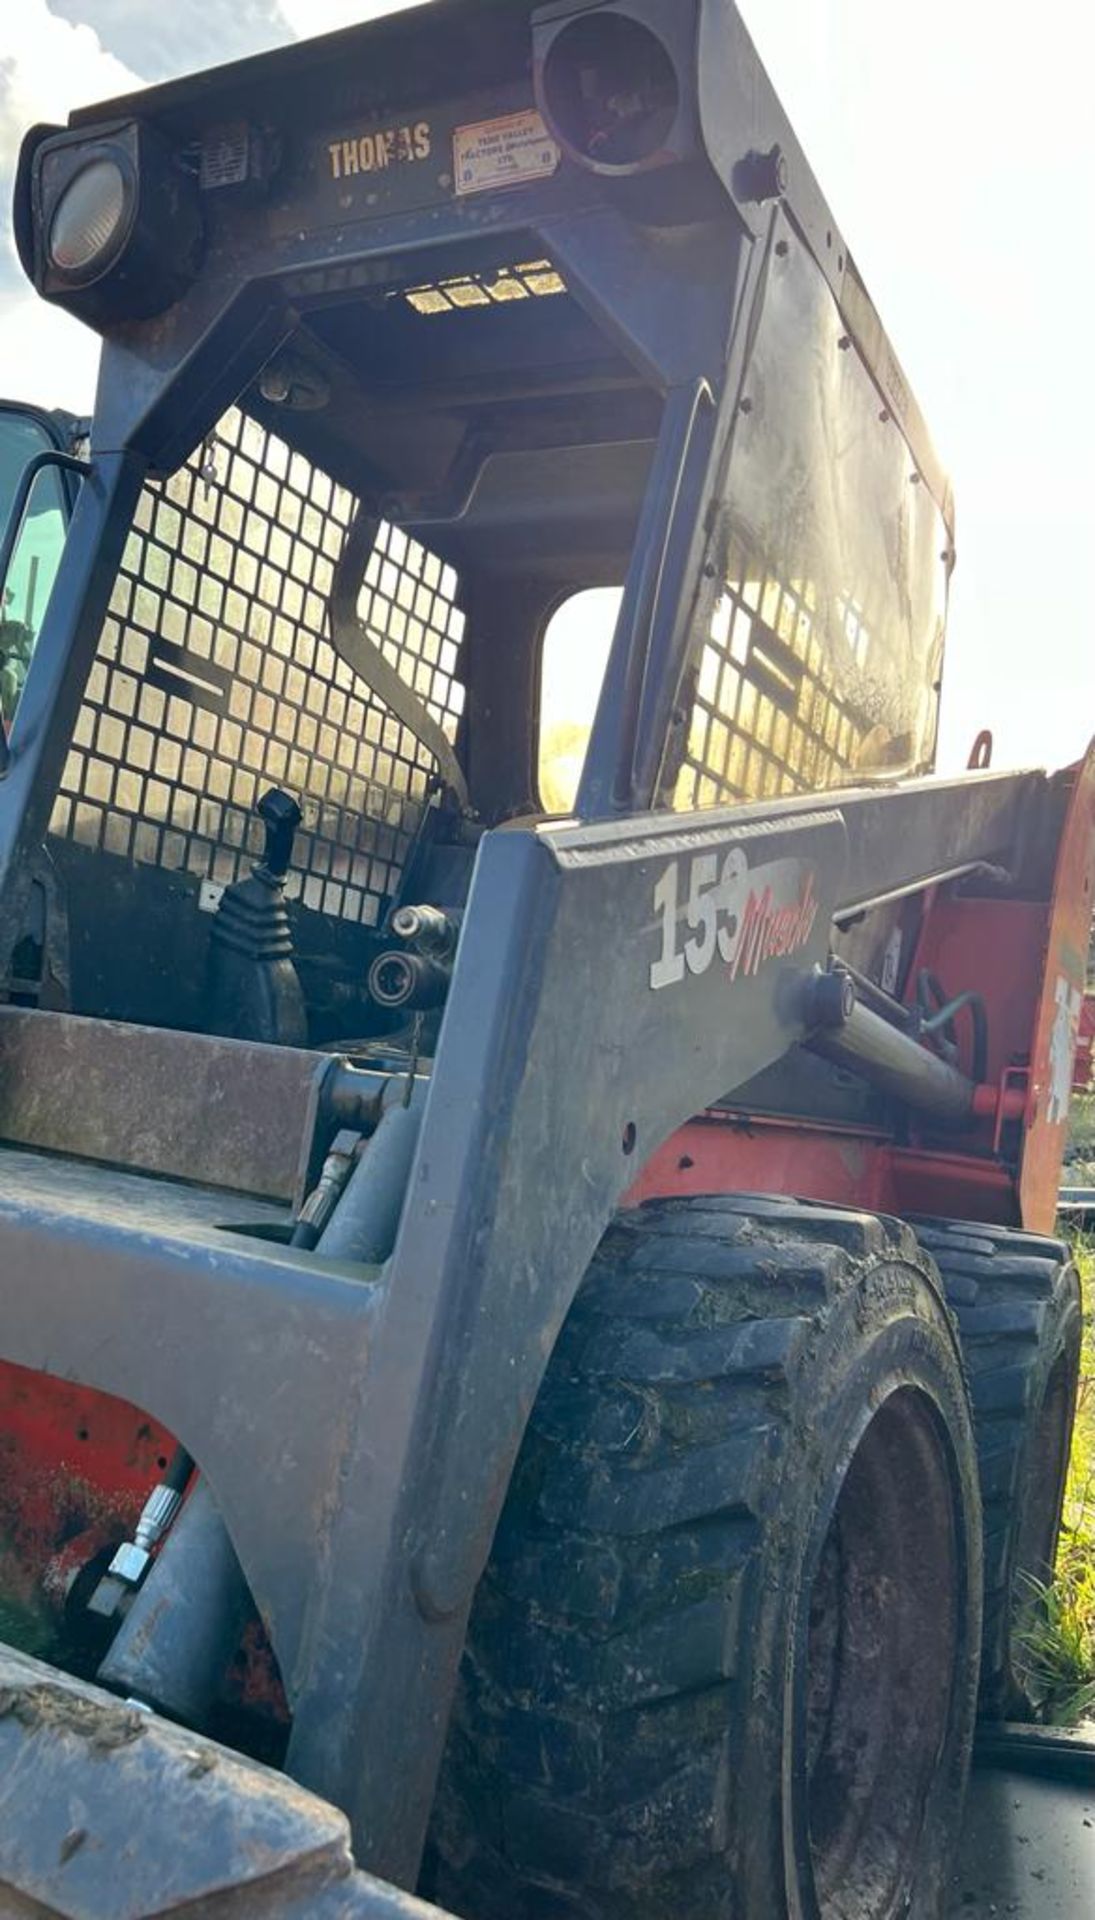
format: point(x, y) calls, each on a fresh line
point(503, 153)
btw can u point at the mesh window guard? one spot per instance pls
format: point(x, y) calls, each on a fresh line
point(215, 678)
point(821, 662)
point(763, 720)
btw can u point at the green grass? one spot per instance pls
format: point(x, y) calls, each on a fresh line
point(1079, 1167)
point(1059, 1641)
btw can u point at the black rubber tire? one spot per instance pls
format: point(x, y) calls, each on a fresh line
point(1016, 1297)
point(747, 1489)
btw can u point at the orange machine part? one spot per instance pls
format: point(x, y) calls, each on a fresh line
point(1057, 1028)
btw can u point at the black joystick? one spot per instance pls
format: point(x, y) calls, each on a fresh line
point(281, 817)
point(253, 986)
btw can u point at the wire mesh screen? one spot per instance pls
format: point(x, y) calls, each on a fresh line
point(407, 605)
point(763, 720)
point(215, 678)
point(822, 660)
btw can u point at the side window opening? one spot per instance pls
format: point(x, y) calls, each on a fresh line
point(36, 558)
point(572, 669)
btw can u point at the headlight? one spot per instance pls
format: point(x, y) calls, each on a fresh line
point(88, 217)
point(107, 220)
point(610, 92)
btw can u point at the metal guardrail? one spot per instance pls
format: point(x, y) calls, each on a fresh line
point(1076, 1206)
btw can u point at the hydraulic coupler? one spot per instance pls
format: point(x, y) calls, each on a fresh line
point(416, 974)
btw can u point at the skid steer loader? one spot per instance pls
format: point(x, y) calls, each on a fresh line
point(541, 1328)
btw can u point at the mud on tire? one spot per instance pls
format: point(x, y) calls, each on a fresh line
point(1016, 1297)
point(722, 1664)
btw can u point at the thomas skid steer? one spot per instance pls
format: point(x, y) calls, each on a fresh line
point(528, 1315)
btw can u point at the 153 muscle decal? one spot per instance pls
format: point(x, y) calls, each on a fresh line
point(723, 911)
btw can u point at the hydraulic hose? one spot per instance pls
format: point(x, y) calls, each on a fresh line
point(184, 1623)
point(940, 1020)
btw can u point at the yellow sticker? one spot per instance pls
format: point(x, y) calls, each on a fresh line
point(503, 153)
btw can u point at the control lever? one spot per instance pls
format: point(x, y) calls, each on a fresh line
point(281, 817)
point(253, 984)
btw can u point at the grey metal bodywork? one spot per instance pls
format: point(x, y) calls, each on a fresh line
point(143, 1817)
point(372, 1408)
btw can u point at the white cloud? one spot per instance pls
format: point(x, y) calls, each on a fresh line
point(49, 66)
point(163, 41)
point(306, 18)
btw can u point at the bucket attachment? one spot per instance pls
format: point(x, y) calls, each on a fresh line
point(108, 1812)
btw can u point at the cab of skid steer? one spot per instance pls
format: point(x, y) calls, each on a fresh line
point(382, 393)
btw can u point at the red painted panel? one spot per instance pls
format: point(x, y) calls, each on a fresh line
point(1053, 1052)
point(726, 1153)
point(75, 1469)
point(995, 946)
point(958, 1186)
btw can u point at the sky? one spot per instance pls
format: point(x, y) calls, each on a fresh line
point(955, 142)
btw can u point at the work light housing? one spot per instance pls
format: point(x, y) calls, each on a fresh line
point(615, 84)
point(107, 220)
